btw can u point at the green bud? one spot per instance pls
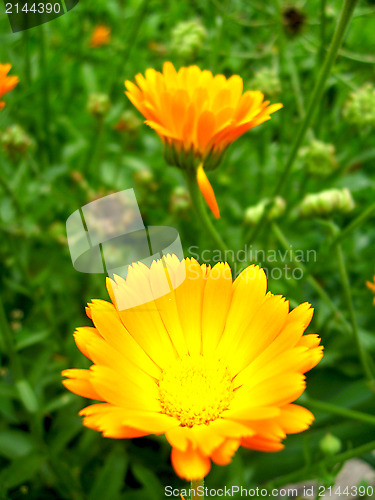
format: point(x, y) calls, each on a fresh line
point(187, 38)
point(254, 214)
point(129, 122)
point(319, 158)
point(267, 81)
point(330, 444)
point(180, 200)
point(98, 105)
point(15, 140)
point(144, 177)
point(359, 109)
point(326, 203)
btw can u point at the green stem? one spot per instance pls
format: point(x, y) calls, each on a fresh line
point(90, 160)
point(349, 304)
point(129, 44)
point(7, 340)
point(310, 279)
point(342, 412)
point(26, 48)
point(5, 185)
point(315, 468)
point(354, 224)
point(346, 14)
point(47, 139)
point(195, 493)
point(323, 42)
point(204, 219)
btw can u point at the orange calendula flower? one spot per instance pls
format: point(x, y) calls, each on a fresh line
point(7, 83)
point(371, 286)
point(212, 364)
point(197, 115)
point(101, 36)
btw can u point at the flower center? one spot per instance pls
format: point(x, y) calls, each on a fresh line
point(195, 390)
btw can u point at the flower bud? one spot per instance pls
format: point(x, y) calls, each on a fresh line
point(294, 19)
point(187, 38)
point(98, 105)
point(255, 213)
point(267, 81)
point(145, 178)
point(319, 158)
point(330, 444)
point(17, 314)
point(332, 201)
point(180, 200)
point(128, 122)
point(15, 141)
point(371, 286)
point(158, 48)
point(100, 36)
point(359, 109)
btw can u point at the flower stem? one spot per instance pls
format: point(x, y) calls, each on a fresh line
point(354, 224)
point(45, 89)
point(337, 410)
point(7, 342)
point(204, 219)
point(315, 468)
point(349, 303)
point(346, 14)
point(131, 39)
point(195, 483)
point(310, 278)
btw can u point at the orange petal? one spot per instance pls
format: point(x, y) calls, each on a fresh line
point(207, 191)
point(79, 382)
point(190, 464)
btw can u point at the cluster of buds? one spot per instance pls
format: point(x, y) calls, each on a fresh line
point(15, 141)
point(319, 158)
point(16, 316)
point(359, 109)
point(98, 105)
point(325, 203)
point(254, 214)
point(267, 81)
point(187, 38)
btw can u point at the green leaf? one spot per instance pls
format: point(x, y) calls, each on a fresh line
point(20, 470)
point(149, 480)
point(15, 444)
point(111, 478)
point(27, 396)
point(27, 339)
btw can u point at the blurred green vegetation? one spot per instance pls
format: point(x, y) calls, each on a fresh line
point(73, 156)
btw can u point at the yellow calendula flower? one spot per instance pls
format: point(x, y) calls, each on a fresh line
point(197, 115)
point(371, 286)
point(7, 83)
point(210, 363)
point(101, 36)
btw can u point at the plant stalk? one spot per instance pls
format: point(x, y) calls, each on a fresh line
point(195, 493)
point(316, 95)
